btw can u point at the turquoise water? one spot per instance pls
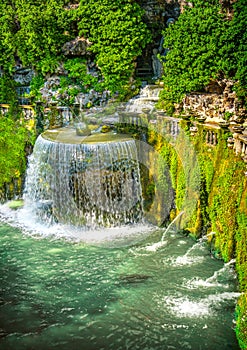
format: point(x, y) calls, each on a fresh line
point(60, 294)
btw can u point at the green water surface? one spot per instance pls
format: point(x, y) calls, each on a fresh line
point(58, 294)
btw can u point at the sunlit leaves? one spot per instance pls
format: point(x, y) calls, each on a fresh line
point(193, 58)
point(36, 31)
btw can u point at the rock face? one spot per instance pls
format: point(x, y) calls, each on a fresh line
point(77, 47)
point(51, 91)
point(218, 103)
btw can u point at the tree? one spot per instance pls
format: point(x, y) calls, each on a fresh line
point(33, 33)
point(234, 49)
point(194, 49)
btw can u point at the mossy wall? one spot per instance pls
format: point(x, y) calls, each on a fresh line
point(175, 173)
point(214, 177)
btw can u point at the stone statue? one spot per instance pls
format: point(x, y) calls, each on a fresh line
point(170, 21)
point(157, 64)
point(161, 50)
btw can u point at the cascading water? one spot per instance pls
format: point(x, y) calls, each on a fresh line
point(84, 181)
point(147, 98)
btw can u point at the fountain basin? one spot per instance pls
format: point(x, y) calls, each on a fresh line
point(68, 135)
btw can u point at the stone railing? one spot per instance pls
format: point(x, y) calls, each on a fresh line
point(28, 111)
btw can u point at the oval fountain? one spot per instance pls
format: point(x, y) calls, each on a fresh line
point(88, 181)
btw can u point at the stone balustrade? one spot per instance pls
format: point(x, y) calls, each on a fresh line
point(27, 110)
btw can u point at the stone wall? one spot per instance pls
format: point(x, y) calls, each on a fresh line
point(218, 103)
point(219, 107)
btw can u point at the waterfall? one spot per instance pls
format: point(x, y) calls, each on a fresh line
point(91, 184)
point(149, 95)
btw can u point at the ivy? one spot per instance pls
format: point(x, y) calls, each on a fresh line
point(233, 48)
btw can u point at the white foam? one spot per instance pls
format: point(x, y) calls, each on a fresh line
point(154, 247)
point(198, 282)
point(188, 307)
point(24, 219)
point(188, 260)
point(221, 297)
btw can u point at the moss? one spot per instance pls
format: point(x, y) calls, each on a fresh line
point(241, 324)
point(15, 204)
point(241, 250)
point(223, 213)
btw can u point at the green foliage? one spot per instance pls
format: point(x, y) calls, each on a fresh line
point(118, 35)
point(204, 45)
point(233, 48)
point(241, 249)
point(8, 29)
point(8, 92)
point(166, 101)
point(48, 64)
point(227, 115)
point(77, 72)
point(222, 212)
point(76, 67)
point(36, 83)
point(13, 139)
point(33, 32)
point(193, 56)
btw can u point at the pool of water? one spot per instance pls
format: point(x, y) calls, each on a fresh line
point(65, 294)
